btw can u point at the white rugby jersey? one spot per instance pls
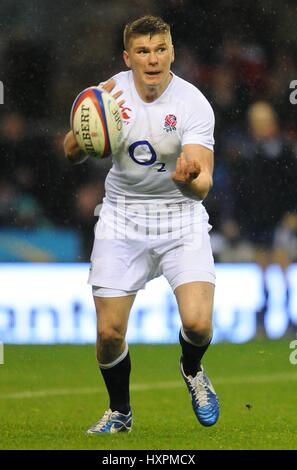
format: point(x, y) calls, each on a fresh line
point(154, 134)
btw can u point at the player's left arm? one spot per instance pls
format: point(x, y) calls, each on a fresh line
point(194, 170)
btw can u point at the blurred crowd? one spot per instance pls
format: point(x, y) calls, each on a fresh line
point(242, 59)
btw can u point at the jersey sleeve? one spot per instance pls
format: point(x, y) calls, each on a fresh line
point(199, 122)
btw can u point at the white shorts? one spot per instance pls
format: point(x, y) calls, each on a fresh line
point(123, 266)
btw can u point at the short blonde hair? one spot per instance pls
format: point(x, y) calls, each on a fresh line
point(145, 25)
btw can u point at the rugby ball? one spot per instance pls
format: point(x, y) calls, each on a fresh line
point(96, 122)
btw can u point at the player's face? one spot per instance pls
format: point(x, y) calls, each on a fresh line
point(150, 58)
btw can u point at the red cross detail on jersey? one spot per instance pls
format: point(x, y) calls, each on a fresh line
point(125, 115)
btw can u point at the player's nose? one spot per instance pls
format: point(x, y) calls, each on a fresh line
point(153, 58)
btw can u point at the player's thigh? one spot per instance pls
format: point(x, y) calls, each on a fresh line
point(189, 258)
point(119, 264)
point(113, 313)
point(195, 303)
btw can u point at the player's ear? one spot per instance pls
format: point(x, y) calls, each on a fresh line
point(172, 55)
point(127, 59)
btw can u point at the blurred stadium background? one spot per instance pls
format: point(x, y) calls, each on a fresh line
point(243, 57)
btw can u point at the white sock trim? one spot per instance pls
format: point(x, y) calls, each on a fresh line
point(186, 338)
point(116, 361)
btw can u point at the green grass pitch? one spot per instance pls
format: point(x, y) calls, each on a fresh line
point(49, 395)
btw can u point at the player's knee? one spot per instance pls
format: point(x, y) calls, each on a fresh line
point(110, 338)
point(109, 345)
point(198, 332)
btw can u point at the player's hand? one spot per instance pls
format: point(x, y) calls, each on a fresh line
point(186, 170)
point(109, 86)
point(71, 149)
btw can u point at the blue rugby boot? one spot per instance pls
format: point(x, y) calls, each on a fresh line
point(204, 399)
point(112, 421)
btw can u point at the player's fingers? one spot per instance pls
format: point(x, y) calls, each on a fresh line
point(120, 103)
point(183, 159)
point(183, 165)
point(176, 175)
point(193, 167)
point(70, 144)
point(197, 166)
point(117, 94)
point(109, 85)
point(177, 167)
point(195, 172)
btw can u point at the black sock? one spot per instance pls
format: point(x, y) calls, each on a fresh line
point(191, 356)
point(116, 379)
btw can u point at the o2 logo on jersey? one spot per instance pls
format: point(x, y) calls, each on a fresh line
point(152, 156)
